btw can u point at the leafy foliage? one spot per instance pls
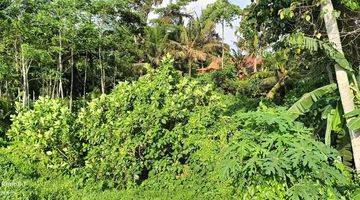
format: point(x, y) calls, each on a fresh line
point(139, 129)
point(221, 11)
point(167, 133)
point(354, 123)
point(265, 153)
point(40, 139)
point(307, 100)
point(313, 44)
point(163, 135)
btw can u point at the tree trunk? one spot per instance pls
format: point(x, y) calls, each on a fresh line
point(50, 88)
point(85, 75)
point(19, 94)
point(102, 76)
point(72, 79)
point(346, 94)
point(222, 44)
point(25, 87)
point(271, 94)
point(61, 90)
point(7, 89)
point(17, 62)
point(54, 90)
point(25, 71)
point(190, 69)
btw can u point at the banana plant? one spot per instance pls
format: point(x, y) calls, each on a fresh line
point(304, 104)
point(335, 121)
point(354, 116)
point(330, 114)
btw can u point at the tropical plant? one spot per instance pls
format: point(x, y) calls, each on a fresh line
point(224, 12)
point(40, 138)
point(305, 103)
point(198, 42)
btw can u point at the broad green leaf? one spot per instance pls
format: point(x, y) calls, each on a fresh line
point(304, 104)
point(353, 113)
point(337, 56)
point(328, 130)
point(354, 124)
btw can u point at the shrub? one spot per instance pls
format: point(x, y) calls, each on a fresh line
point(6, 109)
point(41, 138)
point(138, 130)
point(253, 85)
point(254, 155)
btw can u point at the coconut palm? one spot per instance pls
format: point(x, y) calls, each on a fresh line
point(197, 42)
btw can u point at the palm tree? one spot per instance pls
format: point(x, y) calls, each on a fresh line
point(156, 41)
point(197, 43)
point(224, 12)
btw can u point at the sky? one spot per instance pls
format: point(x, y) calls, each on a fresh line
point(201, 4)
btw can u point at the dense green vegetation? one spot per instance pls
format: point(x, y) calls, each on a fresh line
point(166, 132)
point(100, 101)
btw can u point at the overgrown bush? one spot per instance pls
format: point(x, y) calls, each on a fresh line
point(255, 155)
point(6, 109)
point(265, 155)
point(41, 138)
point(167, 136)
point(140, 128)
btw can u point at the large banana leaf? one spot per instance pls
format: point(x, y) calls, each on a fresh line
point(337, 56)
point(304, 104)
point(354, 122)
point(329, 120)
point(333, 122)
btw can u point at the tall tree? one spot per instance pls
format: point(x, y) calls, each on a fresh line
point(346, 94)
point(198, 42)
point(223, 12)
